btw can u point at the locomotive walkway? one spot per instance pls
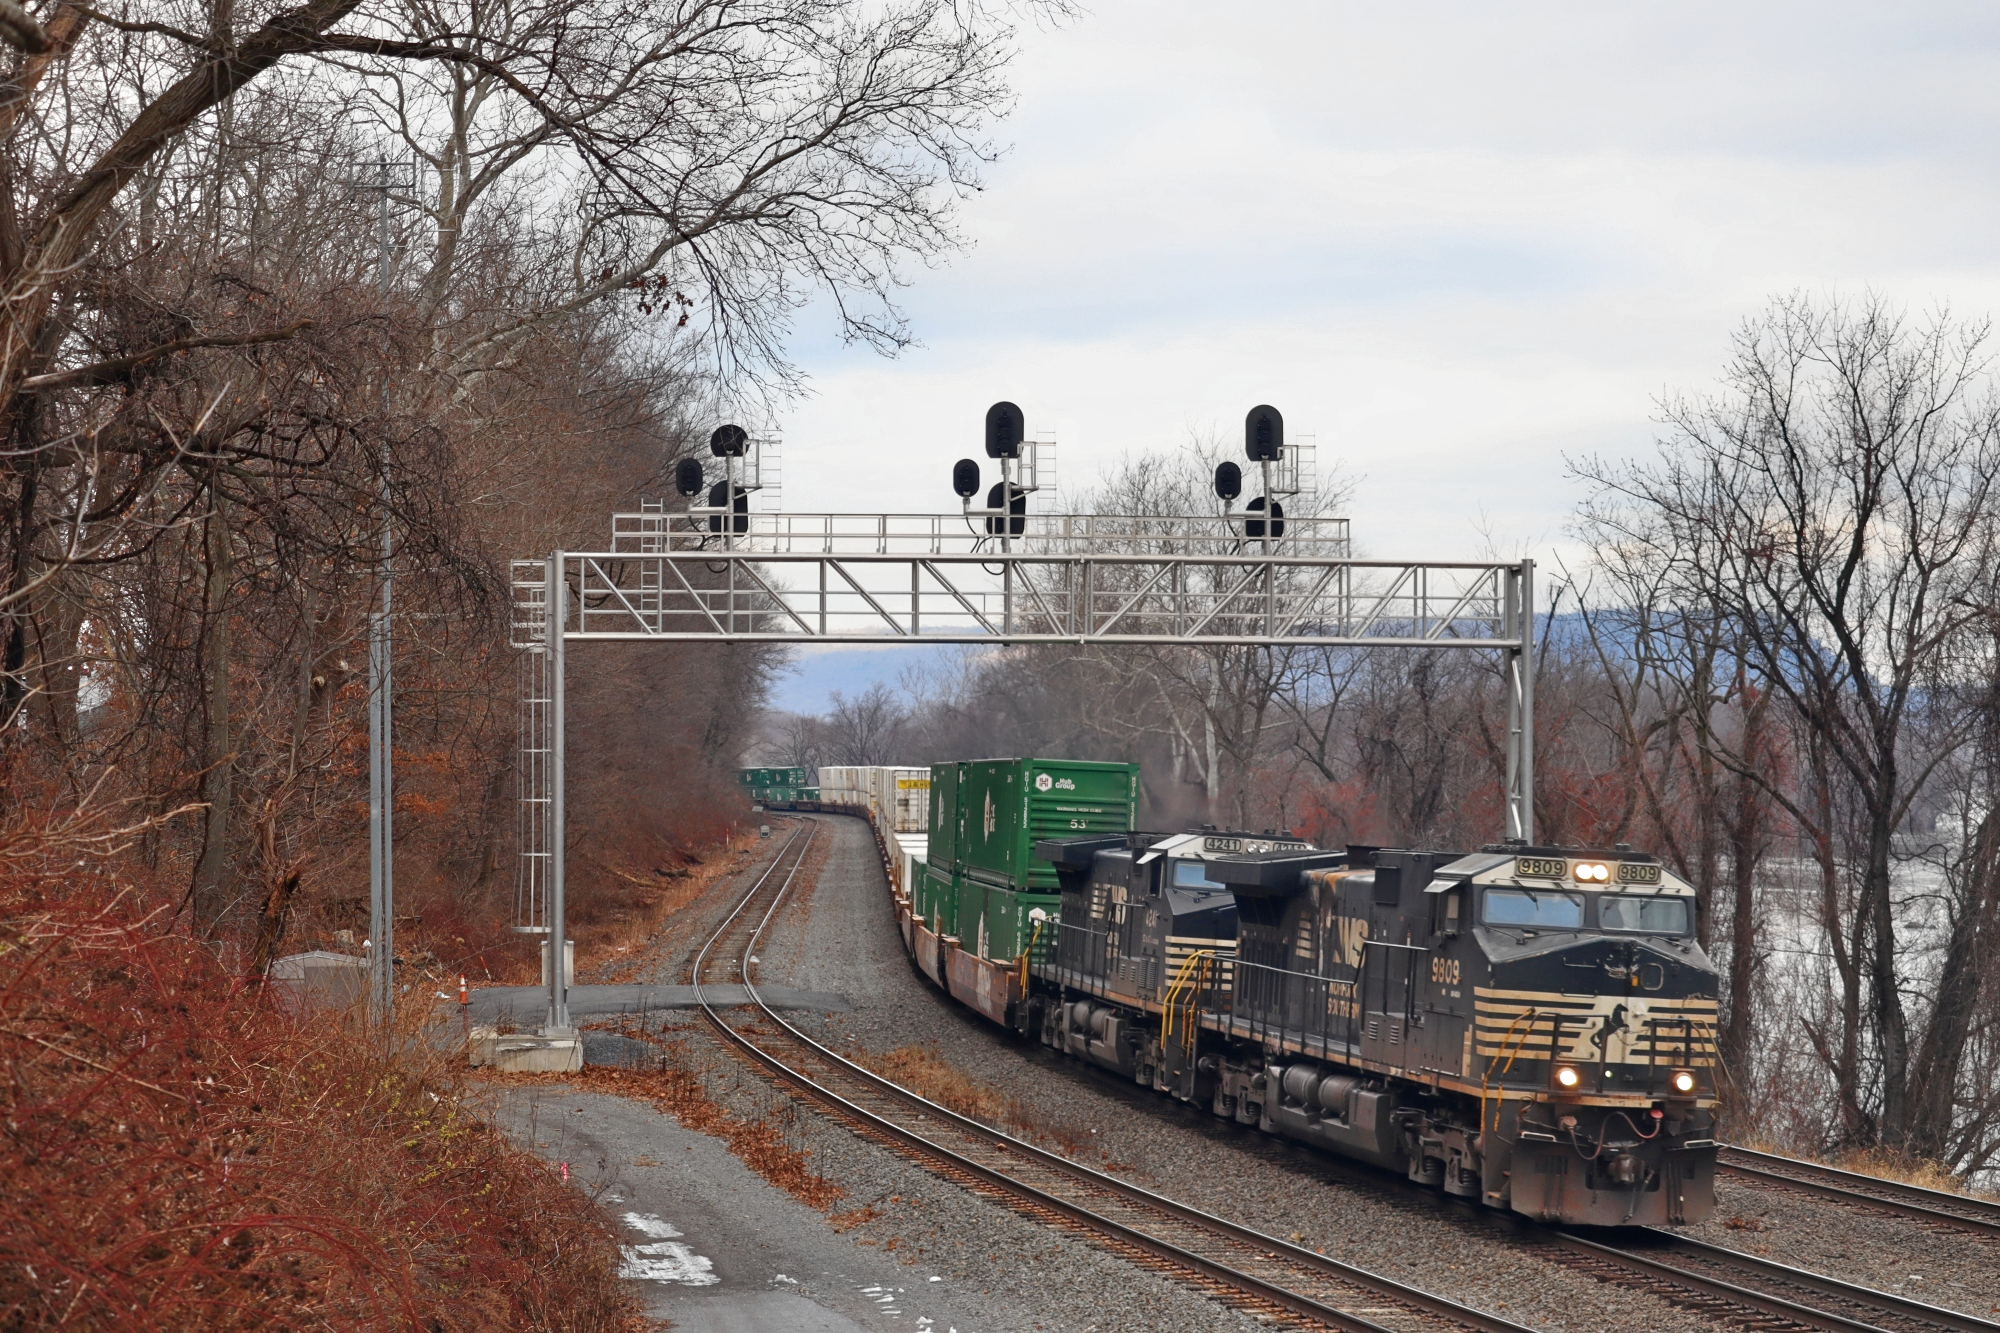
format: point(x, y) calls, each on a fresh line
point(1278, 1281)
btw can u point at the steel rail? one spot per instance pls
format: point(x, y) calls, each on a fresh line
point(1259, 1290)
point(1851, 1187)
point(1922, 1313)
point(1713, 1294)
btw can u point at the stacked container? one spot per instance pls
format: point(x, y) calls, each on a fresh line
point(899, 798)
point(777, 785)
point(986, 816)
point(936, 898)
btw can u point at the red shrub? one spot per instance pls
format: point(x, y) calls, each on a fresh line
point(180, 1151)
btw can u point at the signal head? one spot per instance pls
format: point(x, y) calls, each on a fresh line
point(688, 479)
point(729, 441)
point(1264, 434)
point(1254, 527)
point(1015, 521)
point(965, 478)
point(1228, 481)
point(1005, 427)
point(739, 507)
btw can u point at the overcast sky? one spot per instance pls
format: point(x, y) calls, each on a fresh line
point(1453, 241)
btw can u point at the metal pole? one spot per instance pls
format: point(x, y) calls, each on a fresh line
point(1520, 673)
point(1007, 545)
point(381, 775)
point(1270, 571)
point(558, 623)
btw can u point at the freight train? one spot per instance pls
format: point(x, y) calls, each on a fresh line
point(1529, 1027)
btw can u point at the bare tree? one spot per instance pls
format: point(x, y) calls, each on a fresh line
point(1836, 504)
point(868, 729)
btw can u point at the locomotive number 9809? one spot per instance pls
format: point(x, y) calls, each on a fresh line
point(1444, 971)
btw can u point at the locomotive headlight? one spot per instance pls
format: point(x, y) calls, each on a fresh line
point(1593, 872)
point(1567, 1076)
point(1682, 1081)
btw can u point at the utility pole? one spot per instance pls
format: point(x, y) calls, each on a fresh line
point(381, 732)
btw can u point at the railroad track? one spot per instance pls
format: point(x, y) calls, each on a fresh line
point(1237, 1265)
point(1267, 1277)
point(1744, 1291)
point(1955, 1211)
point(1733, 1289)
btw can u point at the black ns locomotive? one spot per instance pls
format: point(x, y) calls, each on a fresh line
point(1532, 1027)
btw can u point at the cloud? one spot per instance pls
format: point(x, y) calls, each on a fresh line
point(1454, 241)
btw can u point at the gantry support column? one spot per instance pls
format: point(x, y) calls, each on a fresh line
point(1520, 672)
point(558, 625)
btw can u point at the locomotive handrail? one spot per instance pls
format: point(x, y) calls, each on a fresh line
point(1032, 940)
point(1179, 981)
point(1486, 1075)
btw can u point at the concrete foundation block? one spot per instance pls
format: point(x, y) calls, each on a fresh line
point(525, 1052)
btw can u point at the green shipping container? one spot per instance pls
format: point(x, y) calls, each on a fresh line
point(942, 849)
point(937, 900)
point(997, 811)
point(971, 896)
point(1005, 805)
point(770, 794)
point(763, 779)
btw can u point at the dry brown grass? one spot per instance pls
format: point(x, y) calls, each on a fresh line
point(761, 1144)
point(1910, 1171)
point(927, 1073)
point(1881, 1163)
point(625, 940)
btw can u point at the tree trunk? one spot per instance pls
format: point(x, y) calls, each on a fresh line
point(1892, 1032)
point(1737, 1039)
point(1934, 1069)
point(14, 681)
point(211, 875)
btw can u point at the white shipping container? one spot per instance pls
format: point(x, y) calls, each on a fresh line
point(906, 856)
point(907, 802)
point(843, 784)
point(896, 798)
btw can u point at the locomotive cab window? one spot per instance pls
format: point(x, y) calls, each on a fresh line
point(1536, 910)
point(1446, 914)
point(1193, 875)
point(1646, 913)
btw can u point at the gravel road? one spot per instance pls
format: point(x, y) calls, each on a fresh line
point(912, 1252)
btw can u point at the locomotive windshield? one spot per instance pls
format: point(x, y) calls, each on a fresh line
point(1658, 916)
point(1536, 910)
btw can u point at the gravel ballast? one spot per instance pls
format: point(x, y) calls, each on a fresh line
point(838, 937)
point(898, 1226)
point(847, 942)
